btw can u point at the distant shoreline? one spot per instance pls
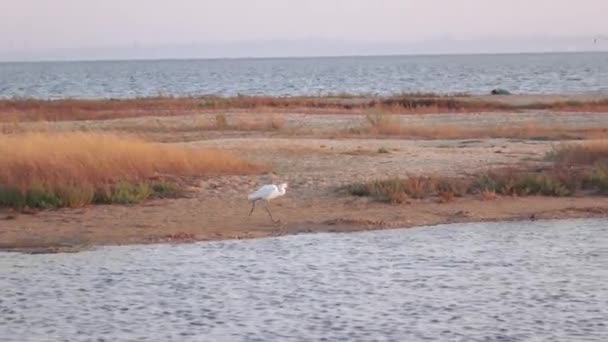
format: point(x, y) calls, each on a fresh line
point(294, 57)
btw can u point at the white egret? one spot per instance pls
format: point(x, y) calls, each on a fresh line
point(267, 193)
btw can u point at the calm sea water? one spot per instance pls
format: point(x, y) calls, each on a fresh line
point(532, 281)
point(530, 73)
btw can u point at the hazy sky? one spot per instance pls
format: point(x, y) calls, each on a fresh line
point(75, 24)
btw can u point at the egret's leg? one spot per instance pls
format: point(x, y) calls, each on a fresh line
point(269, 214)
point(252, 207)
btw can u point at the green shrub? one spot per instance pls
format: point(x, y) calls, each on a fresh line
point(123, 193)
point(165, 190)
point(542, 184)
point(39, 197)
point(598, 179)
point(11, 197)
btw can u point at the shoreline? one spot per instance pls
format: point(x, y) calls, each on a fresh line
point(356, 219)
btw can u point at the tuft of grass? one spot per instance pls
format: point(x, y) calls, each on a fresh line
point(221, 122)
point(390, 190)
point(487, 195)
point(258, 123)
point(49, 170)
point(38, 197)
point(419, 187)
point(500, 181)
point(513, 182)
point(273, 122)
point(381, 123)
point(123, 193)
point(583, 153)
point(383, 150)
point(395, 190)
point(11, 197)
point(450, 187)
point(543, 184)
point(164, 189)
point(598, 180)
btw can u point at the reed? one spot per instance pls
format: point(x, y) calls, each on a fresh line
point(75, 169)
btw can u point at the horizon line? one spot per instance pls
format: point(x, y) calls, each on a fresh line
point(329, 56)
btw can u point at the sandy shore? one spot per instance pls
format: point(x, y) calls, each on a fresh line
point(315, 164)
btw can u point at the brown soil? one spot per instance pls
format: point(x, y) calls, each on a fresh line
point(217, 208)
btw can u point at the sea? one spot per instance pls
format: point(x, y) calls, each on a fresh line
point(377, 75)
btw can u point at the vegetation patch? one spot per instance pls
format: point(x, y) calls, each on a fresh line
point(272, 122)
point(16, 110)
point(52, 170)
point(555, 181)
point(583, 153)
point(398, 190)
point(387, 124)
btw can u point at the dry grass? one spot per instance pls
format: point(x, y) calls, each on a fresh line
point(557, 181)
point(73, 109)
point(398, 190)
point(588, 160)
point(75, 169)
point(380, 124)
point(514, 182)
point(571, 106)
point(584, 153)
point(272, 122)
point(487, 195)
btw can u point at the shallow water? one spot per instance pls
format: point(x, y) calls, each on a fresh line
point(478, 74)
point(529, 281)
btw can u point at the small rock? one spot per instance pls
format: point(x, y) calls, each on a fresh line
point(500, 91)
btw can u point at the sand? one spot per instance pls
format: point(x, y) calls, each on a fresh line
point(315, 164)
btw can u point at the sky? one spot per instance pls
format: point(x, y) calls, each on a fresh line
point(71, 28)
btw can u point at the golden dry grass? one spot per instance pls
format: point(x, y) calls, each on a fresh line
point(76, 109)
point(250, 123)
point(77, 166)
point(391, 125)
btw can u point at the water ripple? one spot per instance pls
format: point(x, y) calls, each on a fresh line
point(528, 73)
point(541, 281)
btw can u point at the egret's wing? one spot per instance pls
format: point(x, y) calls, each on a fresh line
point(262, 192)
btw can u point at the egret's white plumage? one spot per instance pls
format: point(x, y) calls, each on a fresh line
point(267, 193)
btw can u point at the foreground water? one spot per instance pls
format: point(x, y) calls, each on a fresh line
point(541, 281)
point(529, 73)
